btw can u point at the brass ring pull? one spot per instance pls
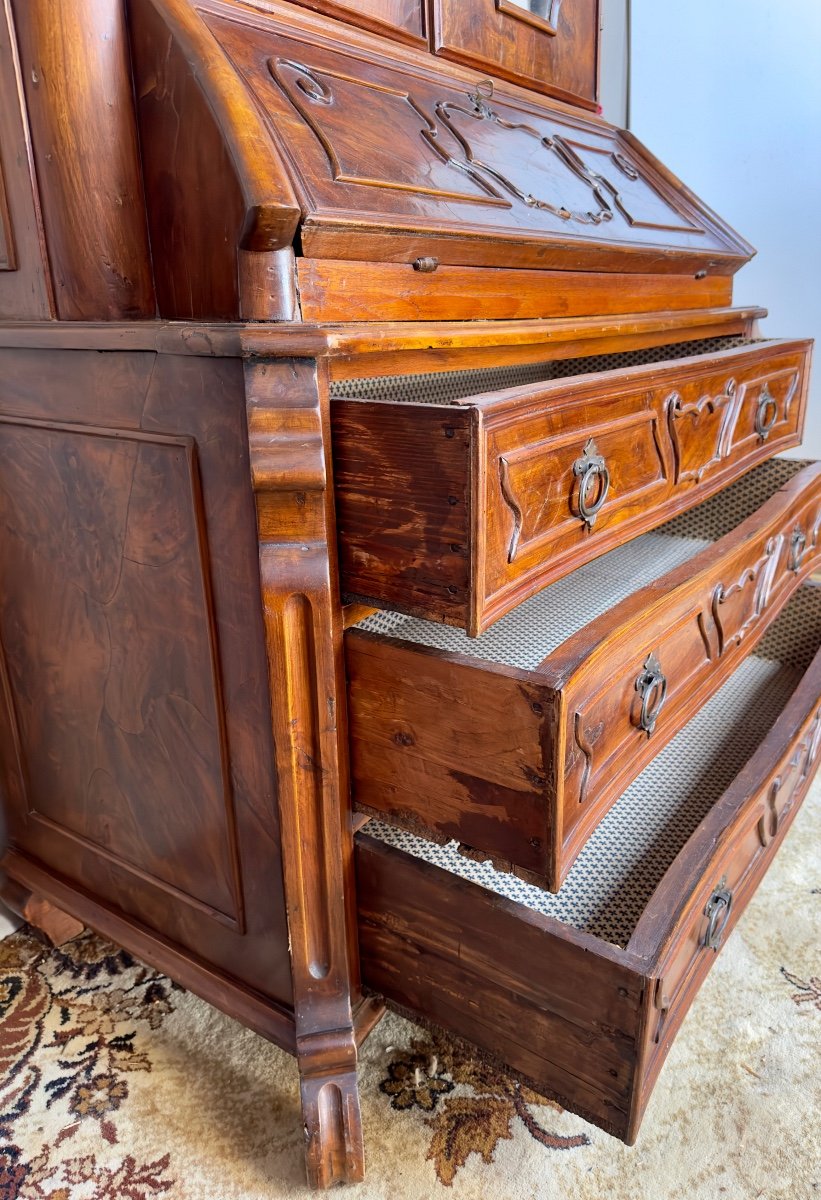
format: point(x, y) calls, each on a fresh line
point(717, 912)
point(594, 485)
point(651, 685)
point(798, 544)
point(766, 401)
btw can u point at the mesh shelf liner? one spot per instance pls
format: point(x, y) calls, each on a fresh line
point(612, 880)
point(735, 503)
point(523, 637)
point(445, 387)
point(619, 868)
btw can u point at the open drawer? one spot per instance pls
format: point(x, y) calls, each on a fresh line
point(457, 506)
point(582, 992)
point(516, 743)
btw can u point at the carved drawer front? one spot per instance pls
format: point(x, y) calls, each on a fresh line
point(602, 974)
point(518, 743)
point(460, 510)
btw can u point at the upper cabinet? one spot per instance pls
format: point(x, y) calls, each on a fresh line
point(402, 19)
point(549, 45)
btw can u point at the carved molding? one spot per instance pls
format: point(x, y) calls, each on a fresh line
point(587, 751)
point(679, 415)
point(288, 437)
point(510, 500)
point(756, 579)
point(455, 135)
point(546, 21)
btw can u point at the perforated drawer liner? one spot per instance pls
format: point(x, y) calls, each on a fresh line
point(611, 882)
point(445, 387)
point(536, 627)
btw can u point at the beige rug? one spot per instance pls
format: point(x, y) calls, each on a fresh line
point(116, 1085)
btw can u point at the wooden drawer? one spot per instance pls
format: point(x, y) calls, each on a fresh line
point(581, 993)
point(517, 743)
point(458, 511)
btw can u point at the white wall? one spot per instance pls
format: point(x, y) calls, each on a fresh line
point(728, 94)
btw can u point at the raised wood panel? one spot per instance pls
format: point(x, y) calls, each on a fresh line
point(552, 47)
point(406, 152)
point(116, 708)
point(25, 286)
point(402, 19)
point(135, 704)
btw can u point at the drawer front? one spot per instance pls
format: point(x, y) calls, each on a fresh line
point(458, 512)
point(522, 765)
point(585, 1022)
point(568, 480)
point(636, 682)
point(723, 892)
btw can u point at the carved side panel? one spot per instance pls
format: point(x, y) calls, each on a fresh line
point(287, 428)
point(116, 708)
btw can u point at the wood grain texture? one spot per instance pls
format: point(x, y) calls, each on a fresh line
point(85, 150)
point(396, 160)
point(214, 181)
point(587, 1024)
point(523, 765)
point(133, 651)
point(401, 19)
point(25, 283)
point(409, 530)
point(290, 471)
point(559, 56)
point(356, 291)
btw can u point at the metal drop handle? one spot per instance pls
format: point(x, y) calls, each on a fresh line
point(798, 544)
point(595, 479)
point(717, 912)
point(651, 685)
point(763, 422)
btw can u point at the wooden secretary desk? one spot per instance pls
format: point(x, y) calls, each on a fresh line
point(402, 595)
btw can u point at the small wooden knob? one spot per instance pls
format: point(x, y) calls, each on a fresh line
point(426, 265)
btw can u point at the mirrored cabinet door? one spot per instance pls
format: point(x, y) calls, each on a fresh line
point(550, 45)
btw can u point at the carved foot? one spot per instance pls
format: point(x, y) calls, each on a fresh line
point(334, 1150)
point(57, 925)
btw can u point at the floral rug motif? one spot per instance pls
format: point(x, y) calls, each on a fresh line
point(115, 1084)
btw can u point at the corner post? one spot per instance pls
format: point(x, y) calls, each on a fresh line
point(287, 404)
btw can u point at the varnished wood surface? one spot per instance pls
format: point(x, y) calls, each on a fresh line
point(459, 512)
point(371, 145)
point(291, 474)
point(402, 19)
point(357, 350)
point(215, 183)
point(25, 283)
point(133, 652)
point(588, 1024)
point(334, 290)
point(523, 765)
point(75, 68)
point(557, 54)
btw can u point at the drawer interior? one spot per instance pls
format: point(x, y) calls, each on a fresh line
point(448, 387)
point(524, 637)
point(615, 875)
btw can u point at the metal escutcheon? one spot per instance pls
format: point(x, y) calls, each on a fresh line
point(798, 544)
point(717, 912)
point(594, 485)
point(651, 685)
point(766, 414)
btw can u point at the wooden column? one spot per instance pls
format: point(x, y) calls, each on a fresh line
point(290, 467)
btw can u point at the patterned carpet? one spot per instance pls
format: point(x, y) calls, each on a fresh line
point(117, 1085)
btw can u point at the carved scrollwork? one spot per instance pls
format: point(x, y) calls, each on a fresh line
point(732, 619)
point(689, 460)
